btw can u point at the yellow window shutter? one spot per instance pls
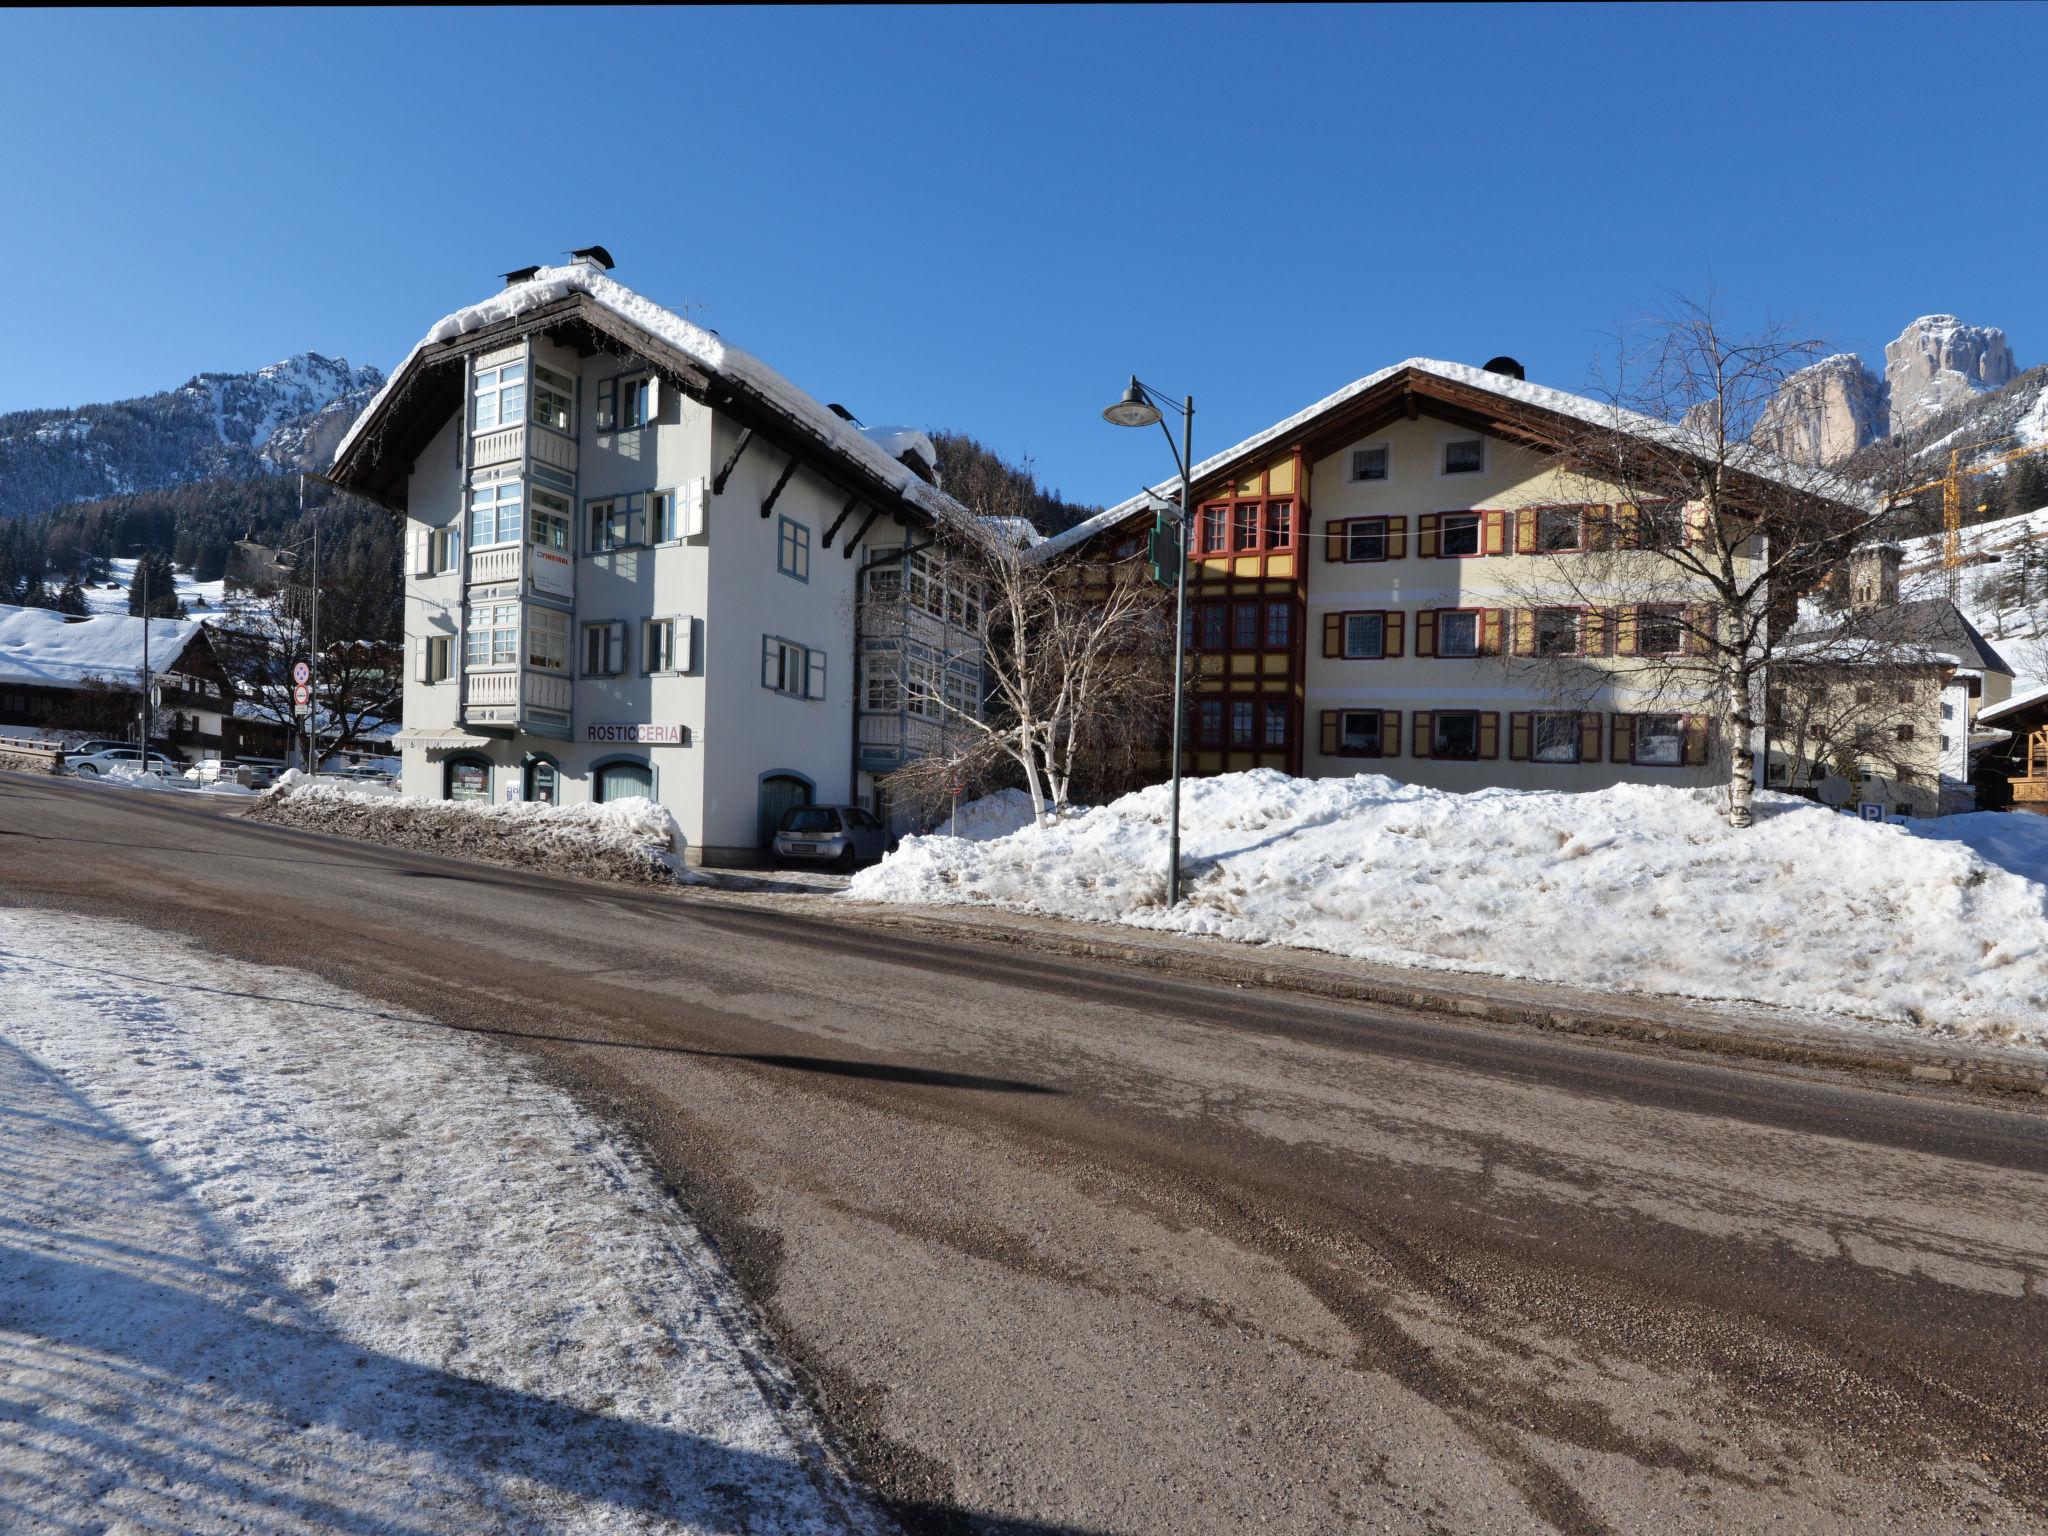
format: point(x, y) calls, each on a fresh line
point(1525, 531)
point(1329, 733)
point(1421, 745)
point(1596, 519)
point(1390, 635)
point(1390, 733)
point(1699, 629)
point(1489, 733)
point(1425, 536)
point(1425, 633)
point(1623, 739)
point(1589, 738)
point(1695, 740)
point(1627, 526)
point(1397, 538)
point(1489, 631)
point(1625, 631)
point(1525, 631)
point(1518, 737)
point(1698, 527)
point(1333, 543)
point(1594, 632)
point(1333, 634)
point(1495, 526)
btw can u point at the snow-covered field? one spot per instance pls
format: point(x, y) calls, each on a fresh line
point(1936, 928)
point(280, 1260)
point(202, 599)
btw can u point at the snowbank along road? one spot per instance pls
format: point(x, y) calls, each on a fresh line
point(1064, 1249)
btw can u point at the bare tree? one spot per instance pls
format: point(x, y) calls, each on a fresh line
point(1070, 654)
point(361, 681)
point(1689, 546)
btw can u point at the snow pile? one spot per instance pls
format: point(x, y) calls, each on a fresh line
point(282, 1261)
point(635, 839)
point(42, 647)
point(991, 817)
point(1634, 888)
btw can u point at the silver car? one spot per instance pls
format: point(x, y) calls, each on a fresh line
point(93, 765)
point(839, 835)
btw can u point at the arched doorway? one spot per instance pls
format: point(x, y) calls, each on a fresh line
point(621, 780)
point(467, 778)
point(543, 781)
point(780, 791)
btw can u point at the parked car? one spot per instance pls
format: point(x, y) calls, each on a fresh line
point(215, 770)
point(262, 771)
point(98, 744)
point(839, 835)
point(95, 764)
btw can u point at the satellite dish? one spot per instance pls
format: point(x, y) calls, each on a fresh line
point(1835, 791)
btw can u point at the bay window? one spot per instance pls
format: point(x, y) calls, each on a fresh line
point(492, 637)
point(498, 397)
point(494, 514)
point(554, 400)
point(548, 526)
point(547, 639)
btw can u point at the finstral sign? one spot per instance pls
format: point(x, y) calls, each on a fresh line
point(653, 734)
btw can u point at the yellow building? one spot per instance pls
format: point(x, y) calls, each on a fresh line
point(1407, 578)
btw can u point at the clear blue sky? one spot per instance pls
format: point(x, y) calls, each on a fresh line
point(985, 219)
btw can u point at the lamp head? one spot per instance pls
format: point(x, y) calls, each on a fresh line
point(1134, 410)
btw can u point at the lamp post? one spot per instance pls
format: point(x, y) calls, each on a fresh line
point(1140, 407)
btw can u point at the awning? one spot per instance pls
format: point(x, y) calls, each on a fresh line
point(446, 736)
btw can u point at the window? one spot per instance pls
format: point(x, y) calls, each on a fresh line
point(1458, 534)
point(1274, 733)
point(1903, 733)
point(1241, 722)
point(499, 397)
point(543, 782)
point(1211, 626)
point(1214, 529)
point(1905, 693)
point(617, 522)
point(1660, 740)
point(1365, 636)
point(885, 583)
point(636, 403)
point(1369, 463)
point(1358, 734)
point(1365, 538)
point(1660, 630)
point(658, 652)
point(469, 778)
point(1560, 528)
point(554, 400)
point(621, 781)
point(548, 525)
point(1557, 632)
point(1209, 722)
point(1554, 738)
point(494, 514)
point(1279, 626)
point(1457, 633)
point(963, 688)
point(793, 548)
point(604, 648)
point(881, 683)
point(1279, 524)
point(1245, 525)
point(1464, 455)
point(1244, 626)
point(787, 667)
point(444, 548)
point(1865, 694)
point(547, 639)
point(1454, 733)
point(492, 639)
point(437, 658)
point(1660, 525)
point(1948, 711)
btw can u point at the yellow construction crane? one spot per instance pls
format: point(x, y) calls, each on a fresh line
point(1952, 504)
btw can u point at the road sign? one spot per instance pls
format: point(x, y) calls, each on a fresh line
point(1162, 551)
point(301, 696)
point(301, 673)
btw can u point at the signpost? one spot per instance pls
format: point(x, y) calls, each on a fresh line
point(1163, 551)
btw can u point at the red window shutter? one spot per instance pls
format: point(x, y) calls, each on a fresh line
point(1397, 538)
point(1493, 533)
point(1330, 733)
point(1589, 738)
point(1334, 547)
point(1622, 742)
point(1525, 632)
point(1390, 733)
point(1425, 632)
point(1421, 744)
point(1391, 634)
point(1489, 631)
point(1425, 536)
point(1489, 733)
point(1695, 740)
point(1525, 531)
point(1518, 737)
point(1333, 634)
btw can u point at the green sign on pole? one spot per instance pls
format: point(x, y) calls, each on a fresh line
point(1162, 551)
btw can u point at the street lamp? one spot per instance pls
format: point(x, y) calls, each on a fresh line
point(1140, 407)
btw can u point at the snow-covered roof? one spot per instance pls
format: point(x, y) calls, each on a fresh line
point(702, 347)
point(41, 647)
point(2013, 705)
point(897, 441)
point(1751, 460)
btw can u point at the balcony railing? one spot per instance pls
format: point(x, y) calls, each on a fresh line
point(488, 566)
point(506, 695)
point(508, 445)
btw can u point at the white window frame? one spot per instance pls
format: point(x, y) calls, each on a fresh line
point(1386, 450)
point(1379, 733)
point(1578, 622)
point(436, 659)
point(444, 550)
point(490, 635)
point(791, 668)
point(1641, 733)
point(547, 639)
point(612, 660)
point(1443, 618)
point(1443, 453)
point(1443, 533)
point(1676, 611)
point(1568, 751)
point(1379, 649)
point(492, 384)
point(552, 381)
point(665, 646)
point(550, 508)
point(506, 500)
point(881, 683)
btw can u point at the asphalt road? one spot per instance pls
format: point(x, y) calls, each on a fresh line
point(1060, 1248)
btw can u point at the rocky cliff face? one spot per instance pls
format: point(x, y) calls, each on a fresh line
point(1938, 362)
point(219, 424)
point(1825, 412)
